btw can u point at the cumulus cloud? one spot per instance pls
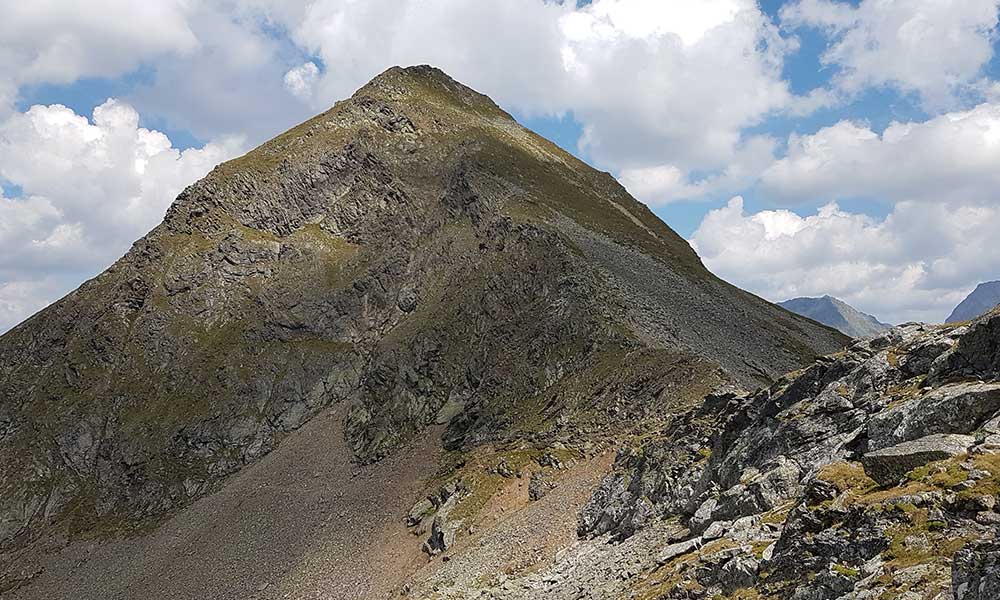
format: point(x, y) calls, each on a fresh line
point(90, 187)
point(940, 178)
point(699, 73)
point(301, 80)
point(49, 41)
point(662, 184)
point(916, 264)
point(693, 85)
point(932, 48)
point(952, 157)
point(234, 84)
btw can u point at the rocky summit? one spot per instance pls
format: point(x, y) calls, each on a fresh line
point(411, 349)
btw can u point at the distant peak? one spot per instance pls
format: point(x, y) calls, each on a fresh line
point(982, 299)
point(837, 314)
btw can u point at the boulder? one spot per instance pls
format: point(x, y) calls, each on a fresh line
point(888, 465)
point(679, 549)
point(539, 486)
point(954, 408)
point(977, 353)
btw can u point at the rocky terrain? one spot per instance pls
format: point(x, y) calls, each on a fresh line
point(416, 268)
point(873, 474)
point(979, 302)
point(837, 314)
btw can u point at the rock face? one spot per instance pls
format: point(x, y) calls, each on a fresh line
point(982, 300)
point(976, 572)
point(872, 474)
point(412, 254)
point(837, 314)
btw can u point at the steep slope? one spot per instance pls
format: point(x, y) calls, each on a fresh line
point(872, 474)
point(837, 314)
point(412, 256)
point(978, 303)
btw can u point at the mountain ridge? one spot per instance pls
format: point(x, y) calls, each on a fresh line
point(979, 302)
point(837, 314)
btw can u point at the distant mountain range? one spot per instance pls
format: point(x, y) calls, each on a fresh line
point(978, 303)
point(837, 314)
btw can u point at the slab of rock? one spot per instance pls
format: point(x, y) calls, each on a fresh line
point(889, 465)
point(952, 408)
point(680, 548)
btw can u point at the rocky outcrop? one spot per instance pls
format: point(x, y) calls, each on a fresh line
point(874, 473)
point(976, 572)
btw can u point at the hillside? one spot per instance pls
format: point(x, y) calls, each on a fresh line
point(982, 300)
point(837, 314)
point(433, 283)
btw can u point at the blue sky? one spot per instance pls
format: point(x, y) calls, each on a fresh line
point(804, 147)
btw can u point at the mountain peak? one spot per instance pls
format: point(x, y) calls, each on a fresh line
point(837, 314)
point(427, 84)
point(410, 258)
point(982, 299)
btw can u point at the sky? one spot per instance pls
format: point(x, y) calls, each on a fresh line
point(804, 148)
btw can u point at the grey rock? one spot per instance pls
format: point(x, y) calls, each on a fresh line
point(976, 355)
point(975, 573)
point(420, 511)
point(888, 465)
point(539, 485)
point(716, 530)
point(679, 549)
point(959, 408)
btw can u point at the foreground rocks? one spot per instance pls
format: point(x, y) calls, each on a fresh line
point(873, 474)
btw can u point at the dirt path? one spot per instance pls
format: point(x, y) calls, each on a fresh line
point(302, 523)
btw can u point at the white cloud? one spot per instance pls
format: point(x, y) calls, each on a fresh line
point(934, 48)
point(916, 264)
point(53, 41)
point(632, 19)
point(662, 184)
point(90, 188)
point(301, 80)
point(952, 157)
point(509, 49)
point(692, 84)
point(234, 84)
point(697, 73)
